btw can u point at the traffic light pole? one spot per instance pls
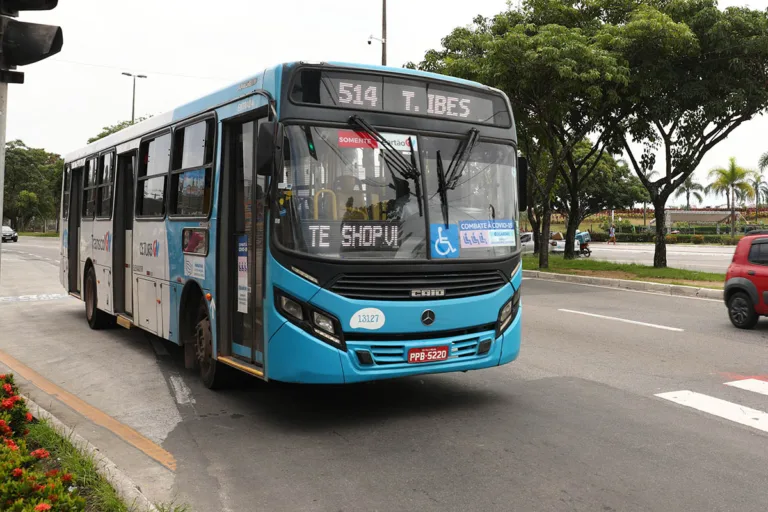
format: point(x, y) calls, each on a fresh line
point(3, 115)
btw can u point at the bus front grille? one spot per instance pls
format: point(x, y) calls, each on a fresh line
point(421, 286)
point(397, 354)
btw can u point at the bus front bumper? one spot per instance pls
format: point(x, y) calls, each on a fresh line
point(295, 356)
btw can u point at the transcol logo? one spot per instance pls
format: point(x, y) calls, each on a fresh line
point(103, 244)
point(151, 249)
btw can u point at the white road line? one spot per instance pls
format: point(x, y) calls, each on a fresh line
point(35, 298)
point(757, 386)
point(181, 391)
point(721, 408)
point(655, 326)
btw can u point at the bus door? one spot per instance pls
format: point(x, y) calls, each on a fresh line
point(73, 229)
point(244, 247)
point(123, 251)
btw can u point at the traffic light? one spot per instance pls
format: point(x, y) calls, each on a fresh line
point(23, 43)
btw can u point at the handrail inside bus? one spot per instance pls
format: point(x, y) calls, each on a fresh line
point(320, 192)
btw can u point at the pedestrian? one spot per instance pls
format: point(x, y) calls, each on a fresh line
point(612, 235)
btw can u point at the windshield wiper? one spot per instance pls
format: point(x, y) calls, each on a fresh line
point(442, 188)
point(393, 157)
point(460, 159)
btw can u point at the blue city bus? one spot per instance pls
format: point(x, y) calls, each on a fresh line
point(318, 223)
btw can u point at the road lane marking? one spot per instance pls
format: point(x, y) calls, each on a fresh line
point(720, 408)
point(754, 385)
point(655, 326)
point(181, 391)
point(34, 298)
point(97, 416)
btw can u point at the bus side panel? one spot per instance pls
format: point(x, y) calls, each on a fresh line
point(101, 256)
point(86, 242)
point(150, 273)
point(64, 255)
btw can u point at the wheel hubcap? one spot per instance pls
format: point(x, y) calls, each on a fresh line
point(739, 311)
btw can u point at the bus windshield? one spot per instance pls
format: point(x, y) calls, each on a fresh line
point(345, 194)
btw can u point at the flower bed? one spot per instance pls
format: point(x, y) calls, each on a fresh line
point(29, 478)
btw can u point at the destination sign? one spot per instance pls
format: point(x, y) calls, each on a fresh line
point(338, 237)
point(399, 96)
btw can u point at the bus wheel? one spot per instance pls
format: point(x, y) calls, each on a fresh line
point(212, 372)
point(97, 319)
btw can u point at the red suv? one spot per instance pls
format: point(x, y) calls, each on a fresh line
point(746, 283)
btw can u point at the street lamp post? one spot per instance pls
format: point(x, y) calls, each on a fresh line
point(133, 102)
point(383, 39)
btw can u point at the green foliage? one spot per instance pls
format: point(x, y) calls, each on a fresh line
point(690, 187)
point(28, 481)
point(762, 163)
point(109, 130)
point(32, 184)
point(697, 239)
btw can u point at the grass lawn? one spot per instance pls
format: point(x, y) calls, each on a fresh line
point(631, 271)
point(46, 235)
point(98, 493)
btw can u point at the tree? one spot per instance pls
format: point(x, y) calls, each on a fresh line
point(109, 130)
point(609, 187)
point(762, 164)
point(760, 189)
point(561, 81)
point(730, 180)
point(707, 77)
point(32, 183)
point(690, 187)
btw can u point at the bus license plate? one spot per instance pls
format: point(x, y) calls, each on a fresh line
point(427, 355)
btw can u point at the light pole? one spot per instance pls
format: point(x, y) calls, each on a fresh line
point(383, 39)
point(133, 102)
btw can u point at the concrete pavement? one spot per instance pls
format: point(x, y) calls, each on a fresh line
point(574, 424)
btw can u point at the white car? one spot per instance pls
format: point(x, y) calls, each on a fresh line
point(526, 242)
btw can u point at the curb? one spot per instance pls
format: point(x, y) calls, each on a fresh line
point(126, 489)
point(644, 286)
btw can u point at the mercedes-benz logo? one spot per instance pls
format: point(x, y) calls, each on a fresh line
point(428, 317)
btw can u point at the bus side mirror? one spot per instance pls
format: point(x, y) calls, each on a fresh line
point(522, 183)
point(269, 133)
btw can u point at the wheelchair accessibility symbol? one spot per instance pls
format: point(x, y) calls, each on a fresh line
point(444, 241)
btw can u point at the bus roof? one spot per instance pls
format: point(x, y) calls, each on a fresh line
point(268, 79)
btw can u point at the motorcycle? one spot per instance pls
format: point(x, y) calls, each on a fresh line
point(583, 239)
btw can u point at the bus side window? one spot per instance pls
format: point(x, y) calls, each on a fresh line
point(105, 186)
point(90, 183)
point(192, 169)
point(154, 160)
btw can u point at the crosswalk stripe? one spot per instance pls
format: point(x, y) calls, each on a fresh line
point(758, 386)
point(721, 408)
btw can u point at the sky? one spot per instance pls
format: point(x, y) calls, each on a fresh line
point(189, 48)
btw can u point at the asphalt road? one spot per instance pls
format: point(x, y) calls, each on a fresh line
point(692, 257)
point(574, 424)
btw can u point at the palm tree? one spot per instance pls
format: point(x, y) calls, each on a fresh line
point(760, 188)
point(690, 188)
point(729, 180)
point(762, 163)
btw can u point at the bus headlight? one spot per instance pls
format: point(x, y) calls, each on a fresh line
point(291, 307)
point(311, 319)
point(323, 322)
point(507, 313)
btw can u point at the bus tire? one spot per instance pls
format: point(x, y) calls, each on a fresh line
point(97, 319)
point(213, 374)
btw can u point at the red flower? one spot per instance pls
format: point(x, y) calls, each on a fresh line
point(8, 403)
point(52, 472)
point(2, 376)
point(42, 507)
point(8, 389)
point(53, 498)
point(10, 444)
point(38, 488)
point(40, 453)
point(17, 472)
point(66, 477)
point(29, 417)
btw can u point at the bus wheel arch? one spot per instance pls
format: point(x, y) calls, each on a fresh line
point(197, 336)
point(97, 319)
